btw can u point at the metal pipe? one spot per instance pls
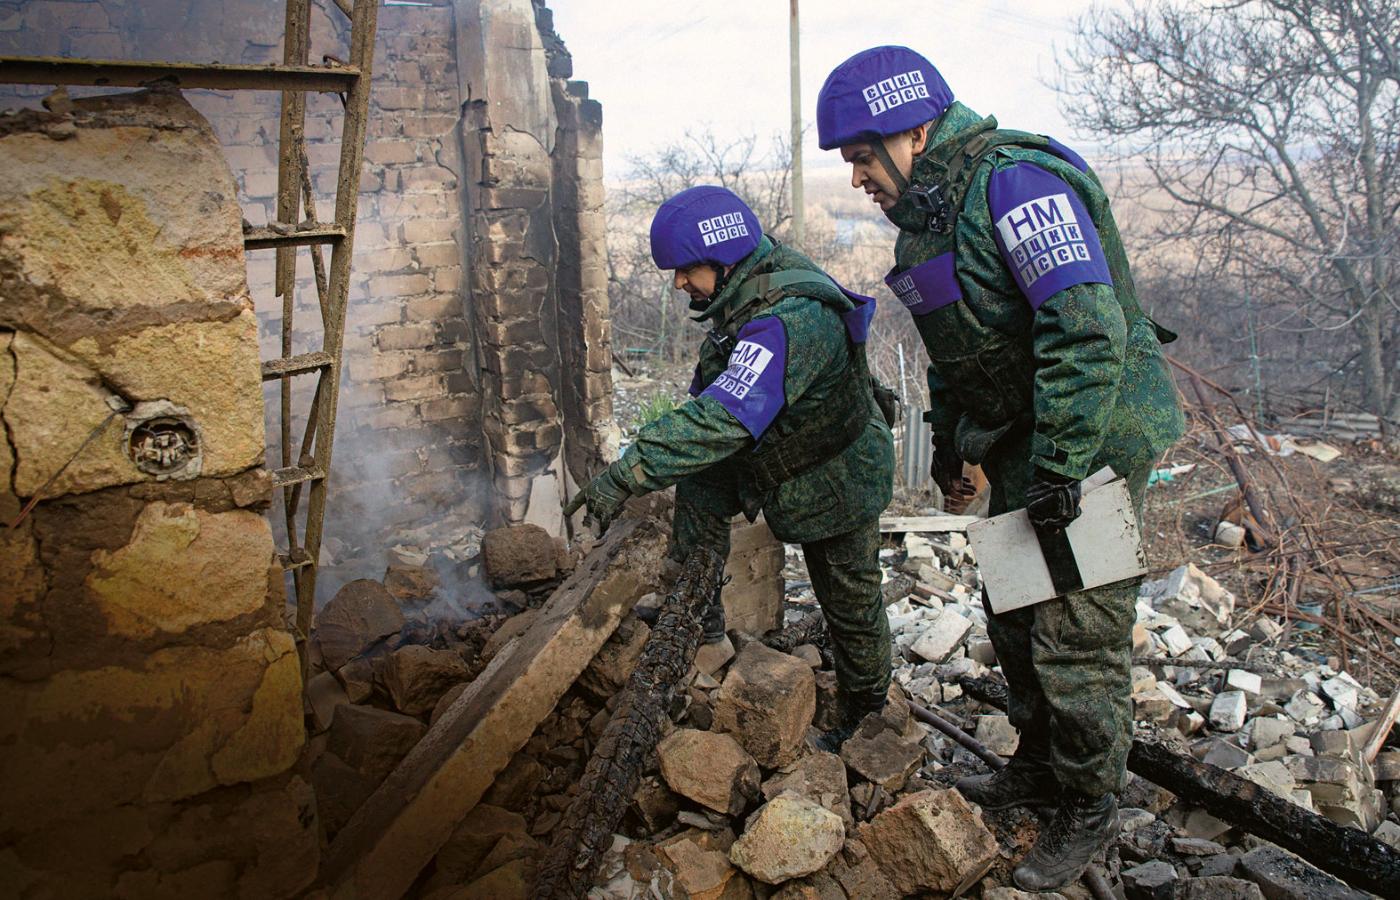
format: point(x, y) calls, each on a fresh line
point(962, 737)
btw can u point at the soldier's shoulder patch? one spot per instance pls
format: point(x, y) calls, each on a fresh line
point(751, 388)
point(1044, 232)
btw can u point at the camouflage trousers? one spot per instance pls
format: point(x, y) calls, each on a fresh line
point(845, 572)
point(1068, 661)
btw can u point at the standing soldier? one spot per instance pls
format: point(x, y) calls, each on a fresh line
point(782, 419)
point(1043, 369)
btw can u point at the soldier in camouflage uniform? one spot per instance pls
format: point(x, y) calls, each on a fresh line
point(1043, 369)
point(781, 419)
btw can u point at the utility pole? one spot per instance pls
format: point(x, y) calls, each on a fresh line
point(798, 216)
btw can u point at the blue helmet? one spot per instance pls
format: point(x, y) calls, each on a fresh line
point(877, 93)
point(704, 224)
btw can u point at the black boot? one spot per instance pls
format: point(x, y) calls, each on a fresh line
point(712, 621)
point(1081, 828)
point(853, 712)
point(1026, 781)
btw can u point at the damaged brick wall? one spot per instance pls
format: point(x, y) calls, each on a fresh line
point(152, 693)
point(477, 359)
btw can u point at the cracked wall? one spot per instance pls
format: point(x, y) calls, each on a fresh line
point(153, 694)
point(477, 377)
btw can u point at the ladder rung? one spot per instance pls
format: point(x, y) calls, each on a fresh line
point(295, 365)
point(215, 76)
point(298, 559)
point(266, 238)
point(295, 475)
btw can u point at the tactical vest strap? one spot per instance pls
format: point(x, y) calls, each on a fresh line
point(819, 439)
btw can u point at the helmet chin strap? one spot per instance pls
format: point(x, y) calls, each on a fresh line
point(882, 153)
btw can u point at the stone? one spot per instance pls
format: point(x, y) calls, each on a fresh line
point(1271, 774)
point(930, 841)
point(1240, 680)
point(997, 734)
point(1002, 892)
point(767, 701)
point(411, 583)
point(1267, 731)
point(1265, 629)
point(1152, 880)
point(508, 882)
point(881, 755)
point(820, 777)
point(709, 768)
point(1217, 887)
point(612, 666)
point(372, 741)
point(1152, 705)
point(1343, 691)
point(942, 637)
point(1193, 598)
point(516, 783)
point(417, 676)
point(703, 873)
point(473, 839)
point(397, 833)
point(323, 695)
point(518, 555)
point(753, 596)
point(1177, 640)
point(789, 837)
point(1388, 832)
point(817, 886)
point(1282, 876)
point(1339, 744)
point(1227, 711)
point(982, 650)
point(357, 677)
point(655, 803)
point(509, 630)
point(1387, 766)
point(810, 654)
point(1229, 534)
point(1187, 846)
point(710, 658)
point(1305, 708)
point(1226, 755)
point(340, 791)
point(360, 613)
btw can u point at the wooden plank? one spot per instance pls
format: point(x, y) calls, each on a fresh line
point(214, 76)
point(925, 524)
point(380, 852)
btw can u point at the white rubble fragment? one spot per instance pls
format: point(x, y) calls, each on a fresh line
point(1173, 695)
point(1177, 640)
point(1227, 710)
point(1305, 707)
point(1241, 680)
point(944, 636)
point(1342, 690)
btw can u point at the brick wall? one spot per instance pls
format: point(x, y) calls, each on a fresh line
point(459, 385)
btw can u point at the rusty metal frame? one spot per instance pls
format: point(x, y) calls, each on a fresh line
point(296, 225)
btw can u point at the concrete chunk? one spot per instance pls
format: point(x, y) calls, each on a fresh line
point(1240, 680)
point(930, 841)
point(789, 837)
point(1227, 711)
point(711, 769)
point(766, 701)
point(1283, 876)
point(399, 829)
point(940, 639)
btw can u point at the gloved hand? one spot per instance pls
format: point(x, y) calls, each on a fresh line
point(604, 495)
point(1052, 500)
point(946, 467)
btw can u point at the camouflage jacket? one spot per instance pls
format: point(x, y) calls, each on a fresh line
point(1033, 321)
point(762, 373)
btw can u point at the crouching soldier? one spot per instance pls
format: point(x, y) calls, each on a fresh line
point(781, 419)
point(1043, 369)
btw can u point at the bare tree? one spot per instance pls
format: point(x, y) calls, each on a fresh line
point(1273, 128)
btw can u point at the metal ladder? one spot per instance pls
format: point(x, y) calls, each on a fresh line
point(296, 225)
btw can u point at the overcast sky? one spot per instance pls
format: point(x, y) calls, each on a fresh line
point(661, 67)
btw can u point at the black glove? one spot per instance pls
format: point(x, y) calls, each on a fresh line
point(946, 466)
point(604, 495)
point(1052, 500)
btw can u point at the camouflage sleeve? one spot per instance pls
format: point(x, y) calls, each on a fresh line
point(689, 439)
point(1080, 338)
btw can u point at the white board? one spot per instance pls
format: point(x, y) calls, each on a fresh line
point(1105, 541)
point(925, 524)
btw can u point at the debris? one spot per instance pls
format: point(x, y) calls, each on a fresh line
point(820, 777)
point(360, 613)
point(997, 734)
point(416, 676)
point(767, 700)
point(788, 837)
point(1227, 711)
point(709, 768)
point(710, 658)
point(1152, 880)
point(880, 755)
point(613, 664)
point(518, 555)
point(930, 841)
point(402, 826)
point(941, 638)
point(372, 741)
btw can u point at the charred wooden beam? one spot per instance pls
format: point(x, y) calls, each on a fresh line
point(615, 768)
point(1348, 853)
